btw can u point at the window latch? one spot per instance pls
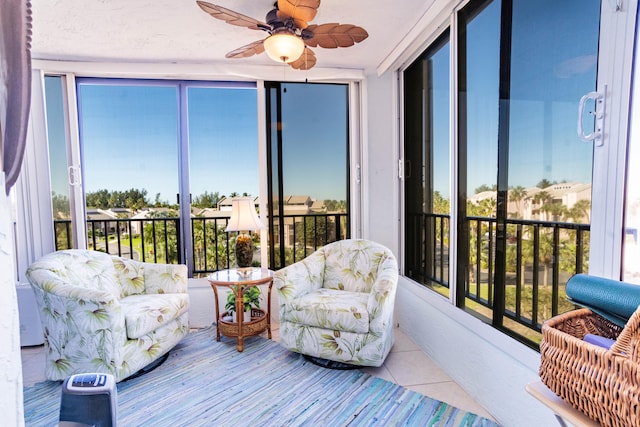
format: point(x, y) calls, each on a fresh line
point(74, 176)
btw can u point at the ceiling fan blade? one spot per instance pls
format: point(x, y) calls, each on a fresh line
point(245, 51)
point(302, 11)
point(231, 17)
point(306, 61)
point(335, 35)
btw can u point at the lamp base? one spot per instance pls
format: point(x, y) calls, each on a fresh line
point(244, 251)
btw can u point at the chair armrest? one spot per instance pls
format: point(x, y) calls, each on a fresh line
point(165, 278)
point(382, 297)
point(300, 278)
point(82, 311)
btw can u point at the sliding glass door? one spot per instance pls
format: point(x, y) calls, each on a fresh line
point(129, 138)
point(159, 163)
point(223, 162)
point(308, 168)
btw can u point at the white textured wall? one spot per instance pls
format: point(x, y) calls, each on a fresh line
point(490, 366)
point(10, 363)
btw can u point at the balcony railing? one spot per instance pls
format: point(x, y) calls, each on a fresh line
point(303, 234)
point(540, 256)
point(158, 239)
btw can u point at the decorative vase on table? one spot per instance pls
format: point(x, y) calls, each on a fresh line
point(244, 250)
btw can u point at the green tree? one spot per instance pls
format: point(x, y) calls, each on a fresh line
point(485, 187)
point(98, 199)
point(488, 207)
point(60, 205)
point(207, 200)
point(555, 210)
point(517, 194)
point(541, 198)
point(161, 237)
point(315, 231)
point(544, 183)
point(440, 204)
point(580, 211)
point(104, 199)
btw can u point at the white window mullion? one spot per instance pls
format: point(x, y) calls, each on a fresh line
point(357, 164)
point(76, 174)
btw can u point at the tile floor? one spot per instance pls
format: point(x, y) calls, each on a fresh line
point(406, 365)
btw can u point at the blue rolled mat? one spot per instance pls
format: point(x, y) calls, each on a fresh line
point(612, 299)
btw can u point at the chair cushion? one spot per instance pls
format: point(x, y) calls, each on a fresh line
point(352, 265)
point(130, 275)
point(330, 309)
point(146, 313)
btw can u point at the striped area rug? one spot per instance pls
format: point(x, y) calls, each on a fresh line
point(208, 383)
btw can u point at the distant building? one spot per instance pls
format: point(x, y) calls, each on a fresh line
point(530, 207)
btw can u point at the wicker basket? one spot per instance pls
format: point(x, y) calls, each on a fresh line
point(603, 384)
point(257, 325)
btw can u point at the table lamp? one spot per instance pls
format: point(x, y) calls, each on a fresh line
point(243, 218)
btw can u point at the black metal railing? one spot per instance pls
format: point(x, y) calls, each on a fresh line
point(149, 240)
point(540, 257)
point(212, 246)
point(303, 234)
point(158, 239)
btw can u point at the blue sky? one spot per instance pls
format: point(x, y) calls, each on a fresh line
point(130, 139)
point(553, 64)
point(315, 140)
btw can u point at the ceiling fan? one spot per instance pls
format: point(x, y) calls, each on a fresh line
point(290, 35)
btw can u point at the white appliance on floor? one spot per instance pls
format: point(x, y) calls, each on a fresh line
point(30, 326)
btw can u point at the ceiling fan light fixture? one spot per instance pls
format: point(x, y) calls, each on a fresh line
point(284, 47)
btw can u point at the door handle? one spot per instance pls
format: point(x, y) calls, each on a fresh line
point(598, 114)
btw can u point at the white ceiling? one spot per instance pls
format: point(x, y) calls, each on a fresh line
point(178, 31)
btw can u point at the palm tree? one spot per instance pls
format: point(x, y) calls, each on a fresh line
point(580, 211)
point(517, 194)
point(541, 198)
point(488, 207)
point(557, 210)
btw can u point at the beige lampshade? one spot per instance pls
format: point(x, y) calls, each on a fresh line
point(243, 215)
point(283, 47)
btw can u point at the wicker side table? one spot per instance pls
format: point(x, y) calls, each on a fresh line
point(237, 280)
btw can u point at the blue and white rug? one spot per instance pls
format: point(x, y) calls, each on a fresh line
point(208, 383)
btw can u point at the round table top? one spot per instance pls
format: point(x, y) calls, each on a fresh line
point(244, 276)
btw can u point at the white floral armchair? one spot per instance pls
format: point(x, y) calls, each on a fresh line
point(337, 304)
point(103, 313)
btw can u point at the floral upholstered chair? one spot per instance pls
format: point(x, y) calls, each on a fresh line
point(102, 313)
point(337, 304)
